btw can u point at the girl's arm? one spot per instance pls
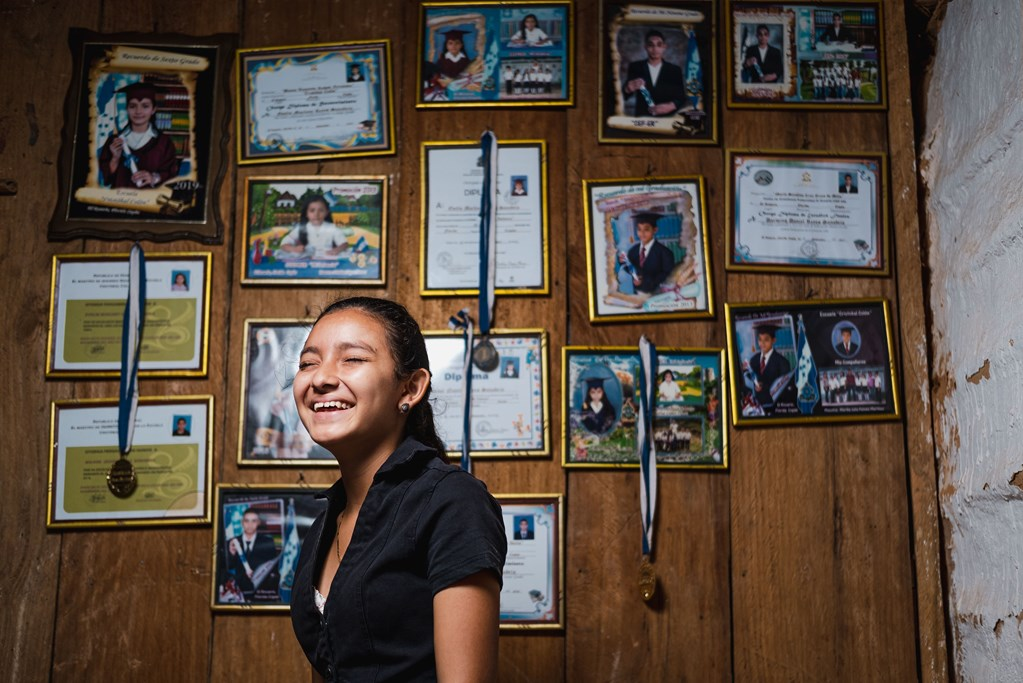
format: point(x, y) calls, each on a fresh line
point(465, 628)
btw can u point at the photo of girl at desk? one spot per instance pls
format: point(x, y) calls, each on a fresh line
point(138, 155)
point(315, 236)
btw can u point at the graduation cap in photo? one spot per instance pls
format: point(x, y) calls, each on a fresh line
point(845, 328)
point(454, 34)
point(140, 90)
point(594, 383)
point(648, 217)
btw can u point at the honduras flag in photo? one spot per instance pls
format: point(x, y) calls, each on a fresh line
point(694, 71)
point(289, 556)
point(806, 380)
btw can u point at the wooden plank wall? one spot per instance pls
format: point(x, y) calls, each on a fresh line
point(815, 558)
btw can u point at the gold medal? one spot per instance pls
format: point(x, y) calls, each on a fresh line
point(647, 579)
point(121, 478)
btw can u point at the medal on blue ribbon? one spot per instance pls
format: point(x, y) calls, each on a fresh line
point(121, 480)
point(484, 355)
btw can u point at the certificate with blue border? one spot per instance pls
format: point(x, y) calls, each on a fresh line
point(314, 102)
point(810, 212)
point(532, 597)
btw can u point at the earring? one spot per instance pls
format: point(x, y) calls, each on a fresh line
point(404, 408)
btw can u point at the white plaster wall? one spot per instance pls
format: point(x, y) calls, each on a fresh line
point(972, 163)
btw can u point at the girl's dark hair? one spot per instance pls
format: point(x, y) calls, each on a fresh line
point(408, 349)
point(522, 24)
point(303, 220)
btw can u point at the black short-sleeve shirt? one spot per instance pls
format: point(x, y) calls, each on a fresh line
point(425, 524)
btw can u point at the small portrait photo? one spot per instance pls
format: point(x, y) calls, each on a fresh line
point(519, 186)
point(846, 339)
point(510, 366)
point(355, 74)
point(530, 32)
point(847, 183)
point(680, 385)
point(766, 347)
point(678, 439)
point(599, 412)
point(762, 48)
point(179, 280)
point(523, 528)
point(182, 425)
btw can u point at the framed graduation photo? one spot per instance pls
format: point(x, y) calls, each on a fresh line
point(820, 55)
point(258, 531)
point(600, 386)
point(796, 362)
point(270, 431)
point(646, 244)
point(315, 230)
point(486, 54)
point(146, 124)
point(658, 82)
point(315, 102)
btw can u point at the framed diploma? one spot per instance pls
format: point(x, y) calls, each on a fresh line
point(258, 531)
point(808, 212)
point(798, 362)
point(315, 230)
point(171, 458)
point(270, 431)
point(450, 247)
point(810, 55)
point(144, 144)
point(487, 54)
point(534, 573)
point(509, 403)
point(600, 386)
point(314, 102)
point(88, 293)
point(646, 245)
point(677, 42)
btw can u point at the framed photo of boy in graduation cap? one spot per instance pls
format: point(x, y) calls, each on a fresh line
point(794, 362)
point(646, 241)
point(144, 140)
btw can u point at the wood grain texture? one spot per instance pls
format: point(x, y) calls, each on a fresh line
point(817, 557)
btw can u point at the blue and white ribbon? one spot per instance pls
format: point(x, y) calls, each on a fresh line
point(131, 343)
point(645, 448)
point(488, 231)
point(462, 321)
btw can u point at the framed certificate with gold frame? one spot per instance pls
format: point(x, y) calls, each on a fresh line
point(534, 572)
point(88, 293)
point(510, 408)
point(799, 362)
point(320, 101)
point(450, 242)
point(171, 460)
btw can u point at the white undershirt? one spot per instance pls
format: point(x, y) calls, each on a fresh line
point(655, 71)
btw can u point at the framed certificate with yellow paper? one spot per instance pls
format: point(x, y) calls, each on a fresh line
point(88, 293)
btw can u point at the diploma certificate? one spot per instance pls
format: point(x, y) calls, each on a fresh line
point(170, 453)
point(314, 102)
point(509, 404)
point(87, 310)
point(452, 185)
point(808, 213)
point(531, 596)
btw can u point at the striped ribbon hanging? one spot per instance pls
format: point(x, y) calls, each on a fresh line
point(488, 232)
point(462, 321)
point(131, 343)
point(646, 450)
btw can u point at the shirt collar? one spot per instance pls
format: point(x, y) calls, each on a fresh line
point(408, 451)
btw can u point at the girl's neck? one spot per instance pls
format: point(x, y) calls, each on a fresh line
point(359, 466)
point(137, 129)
